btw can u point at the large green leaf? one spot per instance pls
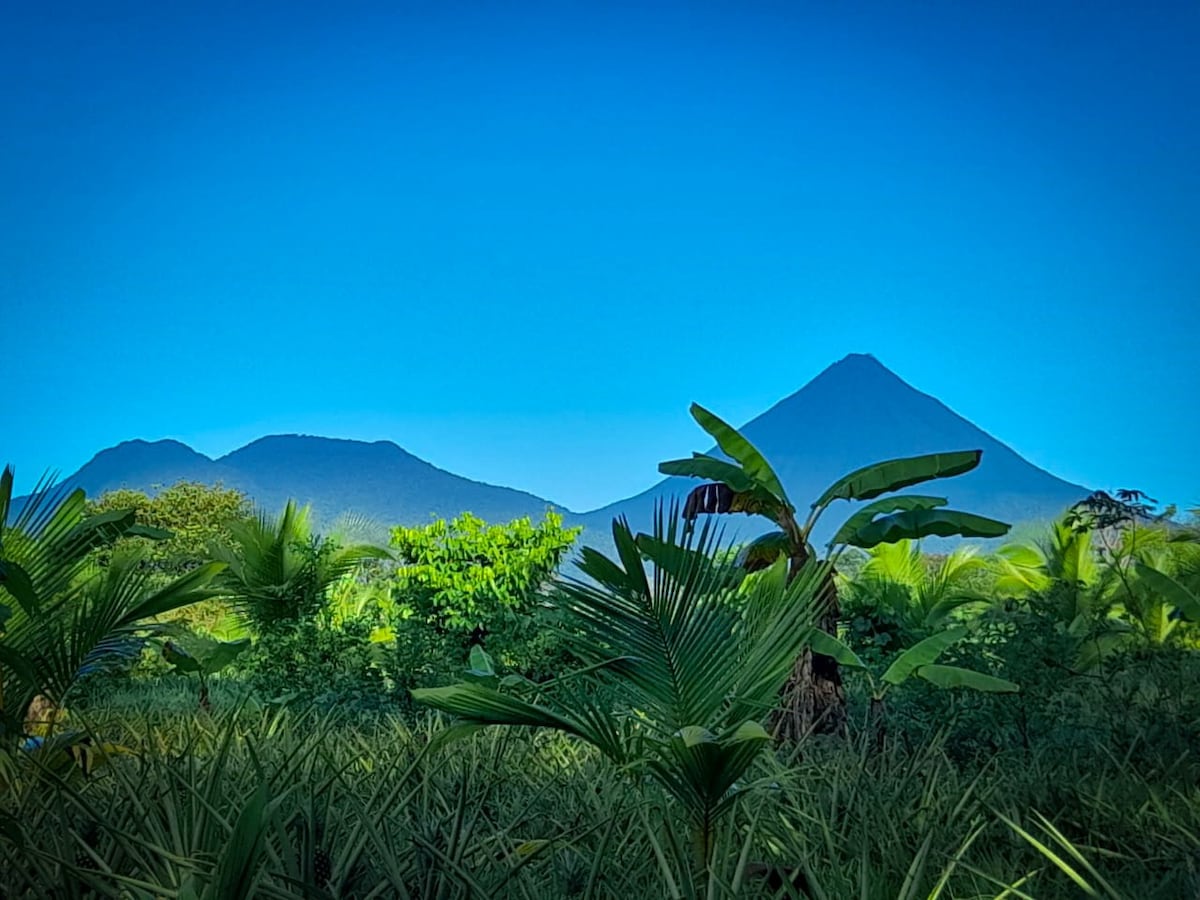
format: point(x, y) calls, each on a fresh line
point(923, 653)
point(914, 524)
point(711, 469)
point(764, 550)
point(828, 645)
point(180, 659)
point(1170, 590)
point(15, 580)
point(956, 677)
point(880, 478)
point(867, 514)
point(734, 444)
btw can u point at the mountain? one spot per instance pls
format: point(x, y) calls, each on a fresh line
point(854, 413)
point(857, 412)
point(377, 480)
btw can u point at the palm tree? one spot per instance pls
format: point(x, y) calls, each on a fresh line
point(279, 570)
point(1133, 590)
point(66, 615)
point(695, 652)
point(744, 482)
point(922, 592)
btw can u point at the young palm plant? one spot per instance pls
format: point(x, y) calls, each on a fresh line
point(67, 615)
point(925, 594)
point(744, 482)
point(279, 570)
point(693, 653)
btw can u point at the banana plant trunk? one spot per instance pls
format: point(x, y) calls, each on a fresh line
point(813, 700)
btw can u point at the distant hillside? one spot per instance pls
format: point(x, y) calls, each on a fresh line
point(857, 412)
point(377, 480)
point(854, 413)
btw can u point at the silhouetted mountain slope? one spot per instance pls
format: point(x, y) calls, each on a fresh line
point(145, 465)
point(854, 413)
point(377, 480)
point(857, 412)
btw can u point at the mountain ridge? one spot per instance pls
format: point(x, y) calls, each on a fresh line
point(854, 412)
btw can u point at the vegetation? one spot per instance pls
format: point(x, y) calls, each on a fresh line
point(456, 716)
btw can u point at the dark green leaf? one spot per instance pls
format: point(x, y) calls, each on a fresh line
point(923, 653)
point(914, 524)
point(734, 444)
point(955, 677)
point(881, 478)
point(710, 469)
point(867, 514)
point(764, 550)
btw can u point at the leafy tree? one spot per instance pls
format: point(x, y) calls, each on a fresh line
point(696, 647)
point(466, 581)
point(67, 615)
point(744, 482)
point(196, 516)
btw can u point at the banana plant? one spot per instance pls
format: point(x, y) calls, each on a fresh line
point(693, 651)
point(202, 656)
point(918, 661)
point(744, 482)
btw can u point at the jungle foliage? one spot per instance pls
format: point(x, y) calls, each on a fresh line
point(465, 713)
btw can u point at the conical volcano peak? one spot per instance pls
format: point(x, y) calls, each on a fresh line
point(859, 367)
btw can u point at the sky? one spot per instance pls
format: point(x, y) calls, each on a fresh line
point(519, 239)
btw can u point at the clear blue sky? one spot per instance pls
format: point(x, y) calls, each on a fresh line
point(519, 240)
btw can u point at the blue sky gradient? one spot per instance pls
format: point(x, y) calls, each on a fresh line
point(518, 241)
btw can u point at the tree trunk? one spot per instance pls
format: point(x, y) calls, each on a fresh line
point(813, 701)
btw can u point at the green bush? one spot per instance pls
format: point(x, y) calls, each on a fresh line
point(311, 661)
point(464, 582)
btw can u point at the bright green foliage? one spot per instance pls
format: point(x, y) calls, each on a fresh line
point(901, 595)
point(196, 515)
point(697, 651)
point(465, 578)
point(1111, 590)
